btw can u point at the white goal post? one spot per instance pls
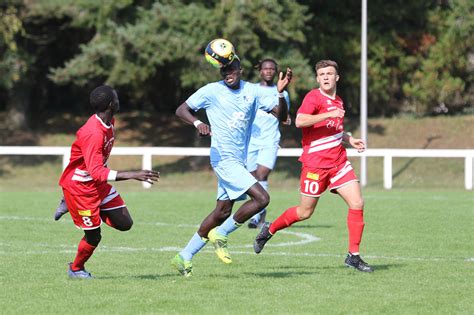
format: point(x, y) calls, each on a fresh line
point(148, 152)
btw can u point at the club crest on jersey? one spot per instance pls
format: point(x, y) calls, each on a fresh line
point(313, 176)
point(248, 99)
point(84, 213)
point(329, 102)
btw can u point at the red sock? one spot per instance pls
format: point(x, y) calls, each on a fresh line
point(355, 225)
point(84, 251)
point(286, 219)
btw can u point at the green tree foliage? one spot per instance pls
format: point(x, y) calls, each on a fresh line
point(53, 52)
point(161, 45)
point(443, 74)
point(13, 64)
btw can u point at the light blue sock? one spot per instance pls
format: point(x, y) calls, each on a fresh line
point(256, 217)
point(194, 245)
point(229, 226)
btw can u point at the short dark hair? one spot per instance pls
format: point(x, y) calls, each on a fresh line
point(326, 63)
point(101, 97)
point(261, 62)
point(235, 64)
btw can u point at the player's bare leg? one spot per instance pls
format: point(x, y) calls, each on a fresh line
point(120, 219)
point(307, 206)
point(351, 193)
point(294, 214)
point(259, 199)
point(220, 213)
point(261, 174)
point(218, 236)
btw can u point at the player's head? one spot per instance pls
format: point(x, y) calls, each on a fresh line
point(231, 73)
point(327, 75)
point(104, 98)
point(268, 69)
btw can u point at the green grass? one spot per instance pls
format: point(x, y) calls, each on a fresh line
point(42, 173)
point(419, 242)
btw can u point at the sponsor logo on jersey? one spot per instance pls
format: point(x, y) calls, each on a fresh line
point(238, 120)
point(84, 213)
point(313, 176)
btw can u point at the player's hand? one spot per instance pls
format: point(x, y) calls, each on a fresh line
point(357, 144)
point(149, 176)
point(287, 122)
point(204, 130)
point(284, 80)
point(337, 113)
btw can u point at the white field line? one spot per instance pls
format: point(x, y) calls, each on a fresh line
point(305, 239)
point(71, 249)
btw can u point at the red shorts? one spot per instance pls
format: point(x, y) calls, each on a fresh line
point(314, 181)
point(85, 209)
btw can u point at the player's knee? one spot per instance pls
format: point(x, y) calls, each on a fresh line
point(305, 213)
point(357, 203)
point(223, 212)
point(125, 225)
point(263, 200)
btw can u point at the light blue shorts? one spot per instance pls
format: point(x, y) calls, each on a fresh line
point(233, 179)
point(265, 156)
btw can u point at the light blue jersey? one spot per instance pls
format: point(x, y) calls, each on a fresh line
point(265, 128)
point(231, 114)
point(265, 138)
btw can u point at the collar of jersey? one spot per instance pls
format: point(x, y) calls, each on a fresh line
point(327, 95)
point(103, 124)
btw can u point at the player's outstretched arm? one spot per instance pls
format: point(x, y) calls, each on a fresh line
point(149, 176)
point(281, 111)
point(185, 113)
point(284, 80)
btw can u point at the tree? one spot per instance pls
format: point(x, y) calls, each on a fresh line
point(140, 48)
point(443, 76)
point(14, 63)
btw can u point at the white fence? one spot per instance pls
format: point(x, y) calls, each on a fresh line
point(148, 152)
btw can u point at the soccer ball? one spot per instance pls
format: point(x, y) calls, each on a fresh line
point(220, 52)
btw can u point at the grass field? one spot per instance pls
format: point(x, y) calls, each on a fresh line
point(421, 244)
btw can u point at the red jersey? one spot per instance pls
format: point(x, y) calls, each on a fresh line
point(87, 172)
point(322, 142)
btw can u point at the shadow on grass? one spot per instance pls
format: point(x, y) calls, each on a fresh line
point(287, 274)
point(142, 277)
point(387, 266)
point(376, 267)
